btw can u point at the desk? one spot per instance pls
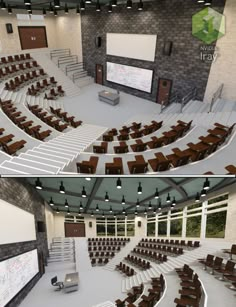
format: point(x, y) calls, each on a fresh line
point(108, 97)
point(71, 282)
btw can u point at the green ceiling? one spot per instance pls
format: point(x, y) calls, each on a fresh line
point(180, 188)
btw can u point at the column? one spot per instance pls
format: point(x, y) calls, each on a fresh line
point(203, 220)
point(168, 224)
point(184, 223)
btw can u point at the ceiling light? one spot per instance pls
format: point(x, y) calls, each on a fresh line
point(84, 194)
point(118, 183)
point(208, 2)
point(98, 7)
point(68, 211)
point(145, 212)
point(159, 205)
point(79, 213)
point(57, 211)
point(106, 197)
point(66, 9)
point(136, 212)
point(56, 3)
point(137, 203)
point(97, 208)
point(82, 5)
point(126, 214)
point(114, 2)
point(51, 8)
point(123, 211)
point(200, 1)
point(27, 2)
point(140, 190)
point(174, 202)
point(9, 10)
point(62, 188)
point(206, 185)
point(150, 206)
point(55, 13)
point(51, 203)
point(140, 5)
point(114, 215)
point(103, 214)
point(110, 209)
point(171, 206)
point(30, 12)
point(44, 12)
point(78, 12)
point(28, 8)
point(81, 206)
point(110, 8)
point(168, 198)
point(156, 194)
point(197, 199)
point(129, 4)
point(38, 184)
point(66, 203)
point(123, 200)
point(92, 214)
point(3, 5)
point(88, 1)
point(203, 193)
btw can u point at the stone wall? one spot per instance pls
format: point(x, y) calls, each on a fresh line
point(171, 21)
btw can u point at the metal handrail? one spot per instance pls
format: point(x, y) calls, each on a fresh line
point(217, 95)
point(67, 59)
point(192, 94)
point(174, 98)
point(77, 75)
point(56, 52)
point(74, 66)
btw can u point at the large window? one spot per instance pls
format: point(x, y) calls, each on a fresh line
point(215, 226)
point(193, 227)
point(151, 228)
point(101, 231)
point(121, 229)
point(111, 231)
point(162, 228)
point(176, 228)
point(130, 230)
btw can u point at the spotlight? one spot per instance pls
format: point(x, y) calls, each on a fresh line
point(57, 211)
point(57, 3)
point(84, 194)
point(159, 205)
point(98, 7)
point(103, 214)
point(61, 188)
point(79, 213)
point(82, 5)
point(137, 203)
point(140, 5)
point(123, 200)
point(92, 214)
point(106, 197)
point(174, 202)
point(156, 194)
point(200, 1)
point(114, 2)
point(171, 206)
point(150, 206)
point(27, 2)
point(123, 211)
point(66, 9)
point(50, 8)
point(9, 10)
point(114, 215)
point(197, 198)
point(110, 8)
point(118, 183)
point(44, 12)
point(55, 13)
point(206, 185)
point(51, 203)
point(78, 12)
point(81, 206)
point(110, 209)
point(208, 2)
point(38, 184)
point(66, 204)
point(136, 212)
point(87, 178)
point(68, 211)
point(129, 4)
point(140, 190)
point(168, 198)
point(28, 8)
point(88, 1)
point(145, 211)
point(203, 193)
point(97, 208)
point(3, 5)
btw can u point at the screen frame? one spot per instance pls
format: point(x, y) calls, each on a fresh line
point(129, 87)
point(36, 249)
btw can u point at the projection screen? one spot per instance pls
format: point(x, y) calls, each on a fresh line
point(135, 77)
point(15, 273)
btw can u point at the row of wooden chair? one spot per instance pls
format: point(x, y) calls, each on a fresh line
point(6, 146)
point(152, 255)
point(102, 254)
point(125, 269)
point(14, 70)
point(105, 248)
point(139, 262)
point(99, 261)
point(132, 296)
point(67, 118)
point(231, 251)
point(106, 243)
point(163, 248)
point(108, 239)
point(15, 59)
point(188, 243)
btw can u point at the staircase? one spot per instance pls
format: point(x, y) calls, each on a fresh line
point(62, 249)
point(105, 304)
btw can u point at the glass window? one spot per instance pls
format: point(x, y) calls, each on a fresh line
point(130, 230)
point(176, 228)
point(198, 205)
point(215, 226)
point(162, 228)
point(121, 230)
point(111, 229)
point(151, 228)
point(193, 227)
point(218, 199)
point(101, 230)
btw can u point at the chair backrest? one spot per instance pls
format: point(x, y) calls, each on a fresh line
point(229, 266)
point(54, 280)
point(209, 258)
point(233, 249)
point(218, 261)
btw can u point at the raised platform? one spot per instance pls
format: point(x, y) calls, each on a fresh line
point(109, 97)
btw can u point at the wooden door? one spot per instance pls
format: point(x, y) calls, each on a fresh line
point(99, 74)
point(33, 37)
point(164, 90)
point(41, 263)
point(74, 230)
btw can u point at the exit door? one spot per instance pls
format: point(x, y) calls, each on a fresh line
point(99, 74)
point(74, 230)
point(33, 37)
point(164, 91)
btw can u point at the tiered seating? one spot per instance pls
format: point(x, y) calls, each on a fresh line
point(132, 296)
point(125, 269)
point(191, 291)
point(231, 251)
point(101, 250)
point(10, 148)
point(64, 115)
point(163, 248)
point(44, 85)
point(139, 262)
point(152, 255)
point(88, 167)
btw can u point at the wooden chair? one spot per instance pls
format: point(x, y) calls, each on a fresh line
point(114, 168)
point(13, 148)
point(87, 167)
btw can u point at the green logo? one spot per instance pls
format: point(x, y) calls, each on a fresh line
point(208, 25)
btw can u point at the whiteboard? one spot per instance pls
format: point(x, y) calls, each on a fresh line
point(15, 273)
point(16, 224)
point(134, 46)
point(135, 77)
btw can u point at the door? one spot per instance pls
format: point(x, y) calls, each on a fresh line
point(164, 90)
point(41, 263)
point(74, 230)
point(33, 37)
point(99, 74)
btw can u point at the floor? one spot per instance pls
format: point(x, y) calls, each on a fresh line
point(91, 110)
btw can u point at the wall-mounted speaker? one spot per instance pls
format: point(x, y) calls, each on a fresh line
point(98, 41)
point(9, 28)
point(167, 50)
point(90, 224)
point(139, 224)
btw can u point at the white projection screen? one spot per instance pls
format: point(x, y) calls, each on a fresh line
point(15, 273)
point(16, 225)
point(134, 46)
point(135, 77)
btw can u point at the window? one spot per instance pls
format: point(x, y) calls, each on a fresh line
point(215, 226)
point(130, 230)
point(218, 199)
point(111, 230)
point(193, 227)
point(151, 228)
point(195, 206)
point(162, 228)
point(121, 230)
point(101, 231)
point(176, 228)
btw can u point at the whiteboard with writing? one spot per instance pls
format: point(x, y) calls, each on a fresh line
point(135, 77)
point(15, 273)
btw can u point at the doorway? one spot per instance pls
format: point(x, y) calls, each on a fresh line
point(163, 90)
point(33, 37)
point(99, 74)
point(74, 230)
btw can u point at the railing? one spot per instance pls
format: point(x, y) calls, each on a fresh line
point(78, 75)
point(59, 52)
point(165, 104)
point(217, 95)
point(67, 59)
point(192, 94)
point(74, 66)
